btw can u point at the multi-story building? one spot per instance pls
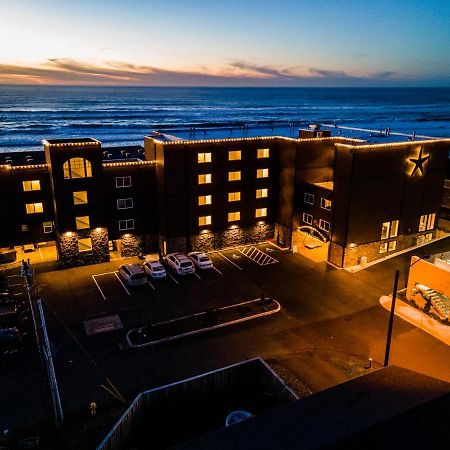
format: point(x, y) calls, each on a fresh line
point(361, 200)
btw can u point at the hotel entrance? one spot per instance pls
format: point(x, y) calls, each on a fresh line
point(115, 249)
point(311, 243)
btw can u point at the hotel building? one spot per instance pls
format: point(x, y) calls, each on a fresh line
point(360, 200)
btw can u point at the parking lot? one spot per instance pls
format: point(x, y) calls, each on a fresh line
point(329, 325)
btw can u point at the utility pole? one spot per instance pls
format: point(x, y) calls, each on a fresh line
point(391, 320)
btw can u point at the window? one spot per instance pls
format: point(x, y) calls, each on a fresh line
point(233, 216)
point(392, 246)
point(325, 203)
point(77, 168)
point(261, 212)
point(324, 225)
point(394, 229)
point(234, 155)
point(309, 198)
point(423, 223)
point(307, 218)
point(84, 245)
point(33, 208)
point(234, 196)
point(204, 200)
point(124, 203)
point(204, 220)
point(24, 228)
point(261, 193)
point(127, 224)
point(204, 178)
point(430, 222)
point(263, 153)
point(383, 247)
point(203, 158)
point(48, 227)
point(122, 182)
point(80, 198)
point(82, 222)
point(428, 237)
point(389, 229)
point(234, 176)
point(262, 173)
point(31, 185)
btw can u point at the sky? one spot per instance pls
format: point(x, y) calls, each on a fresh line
point(225, 43)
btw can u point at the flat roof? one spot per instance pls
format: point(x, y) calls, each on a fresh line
point(69, 141)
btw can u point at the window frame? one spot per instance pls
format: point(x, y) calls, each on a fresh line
point(125, 201)
point(232, 216)
point(33, 208)
point(233, 173)
point(80, 202)
point(262, 173)
point(71, 165)
point(322, 221)
point(46, 225)
point(207, 200)
point(261, 153)
point(308, 195)
point(231, 200)
point(323, 203)
point(79, 219)
point(204, 157)
point(126, 224)
point(234, 155)
point(262, 191)
point(261, 212)
point(82, 240)
point(204, 221)
point(305, 216)
point(207, 178)
point(123, 185)
point(31, 184)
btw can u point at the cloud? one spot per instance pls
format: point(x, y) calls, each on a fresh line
point(236, 73)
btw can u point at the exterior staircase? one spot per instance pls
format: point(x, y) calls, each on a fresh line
point(440, 302)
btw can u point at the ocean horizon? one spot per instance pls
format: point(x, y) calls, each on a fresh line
point(123, 115)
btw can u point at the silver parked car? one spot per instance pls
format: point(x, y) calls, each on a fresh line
point(132, 274)
point(201, 260)
point(154, 269)
point(180, 263)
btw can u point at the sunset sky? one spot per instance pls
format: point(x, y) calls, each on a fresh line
point(226, 43)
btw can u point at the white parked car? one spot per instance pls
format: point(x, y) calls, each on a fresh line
point(154, 269)
point(201, 260)
point(132, 274)
point(180, 263)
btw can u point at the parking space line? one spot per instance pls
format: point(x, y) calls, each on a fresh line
point(98, 287)
point(18, 293)
point(150, 284)
point(120, 281)
point(217, 270)
point(172, 278)
point(229, 260)
point(197, 275)
point(258, 256)
point(12, 276)
point(16, 284)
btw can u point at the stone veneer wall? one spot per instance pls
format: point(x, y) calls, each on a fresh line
point(67, 245)
point(283, 235)
point(335, 254)
point(352, 255)
point(234, 236)
point(177, 244)
point(131, 245)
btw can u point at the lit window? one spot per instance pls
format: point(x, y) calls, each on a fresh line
point(84, 245)
point(430, 222)
point(77, 168)
point(385, 230)
point(33, 208)
point(394, 229)
point(423, 223)
point(261, 193)
point(234, 176)
point(124, 203)
point(233, 216)
point(122, 182)
point(127, 224)
point(261, 212)
point(31, 185)
point(383, 247)
point(204, 200)
point(307, 218)
point(428, 237)
point(203, 158)
point(234, 196)
point(82, 222)
point(23, 227)
point(263, 153)
point(204, 220)
point(325, 204)
point(80, 198)
point(204, 178)
point(48, 227)
point(392, 246)
point(324, 225)
point(262, 173)
point(309, 198)
point(234, 155)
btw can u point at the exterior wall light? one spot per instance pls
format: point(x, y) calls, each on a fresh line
point(68, 233)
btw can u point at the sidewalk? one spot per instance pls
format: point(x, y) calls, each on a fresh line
point(418, 319)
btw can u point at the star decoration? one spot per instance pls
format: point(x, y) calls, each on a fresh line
point(419, 162)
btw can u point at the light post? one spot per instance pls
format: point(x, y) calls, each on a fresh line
point(392, 313)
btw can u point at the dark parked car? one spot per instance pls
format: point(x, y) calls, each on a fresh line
point(9, 340)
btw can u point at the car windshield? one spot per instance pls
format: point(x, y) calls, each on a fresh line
point(157, 268)
point(185, 264)
point(138, 276)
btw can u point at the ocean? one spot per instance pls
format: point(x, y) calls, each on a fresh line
point(123, 115)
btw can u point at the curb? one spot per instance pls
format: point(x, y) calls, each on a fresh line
point(203, 330)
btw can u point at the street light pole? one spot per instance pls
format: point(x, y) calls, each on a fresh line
point(391, 320)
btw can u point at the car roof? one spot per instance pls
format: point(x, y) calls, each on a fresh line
point(133, 268)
